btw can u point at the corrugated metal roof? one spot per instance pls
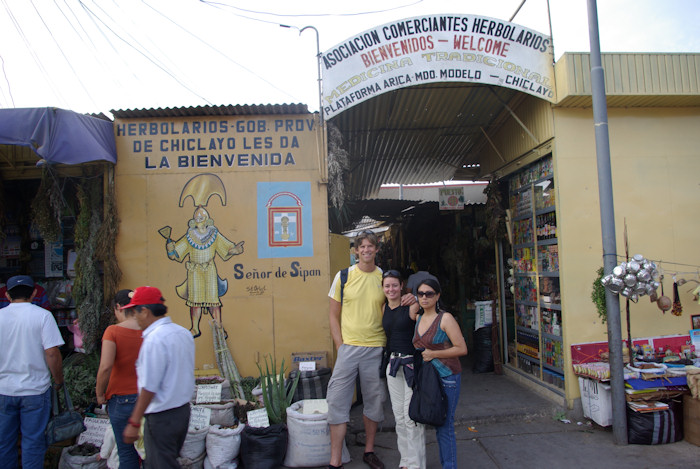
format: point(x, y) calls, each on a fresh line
point(224, 110)
point(631, 80)
point(432, 132)
point(417, 135)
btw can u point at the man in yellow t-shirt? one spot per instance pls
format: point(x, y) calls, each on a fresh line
point(359, 339)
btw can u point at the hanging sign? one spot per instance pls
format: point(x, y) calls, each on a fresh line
point(451, 198)
point(53, 259)
point(436, 49)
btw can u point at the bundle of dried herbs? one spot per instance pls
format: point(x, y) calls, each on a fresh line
point(47, 206)
point(107, 240)
point(337, 166)
point(85, 449)
point(87, 288)
point(495, 213)
point(224, 360)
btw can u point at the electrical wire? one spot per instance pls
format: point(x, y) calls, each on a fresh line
point(131, 37)
point(58, 45)
point(224, 55)
point(9, 88)
point(128, 18)
point(145, 55)
point(32, 52)
point(105, 23)
point(660, 261)
point(310, 15)
point(84, 37)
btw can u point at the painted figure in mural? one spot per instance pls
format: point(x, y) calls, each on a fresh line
point(203, 288)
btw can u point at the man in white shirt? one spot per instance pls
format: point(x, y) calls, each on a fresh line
point(165, 371)
point(30, 342)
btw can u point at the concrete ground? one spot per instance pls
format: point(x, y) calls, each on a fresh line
point(503, 424)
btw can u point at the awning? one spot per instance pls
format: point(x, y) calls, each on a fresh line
point(59, 136)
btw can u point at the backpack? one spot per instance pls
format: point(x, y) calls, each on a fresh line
point(343, 281)
point(429, 401)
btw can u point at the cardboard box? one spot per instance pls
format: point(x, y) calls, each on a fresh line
point(691, 420)
point(596, 401)
point(321, 359)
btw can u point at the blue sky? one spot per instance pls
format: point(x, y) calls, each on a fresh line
point(99, 55)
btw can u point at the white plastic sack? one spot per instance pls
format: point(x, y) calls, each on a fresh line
point(69, 461)
point(309, 443)
point(195, 443)
point(223, 445)
point(187, 463)
point(221, 414)
point(257, 394)
point(229, 465)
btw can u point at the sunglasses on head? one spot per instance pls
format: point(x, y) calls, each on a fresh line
point(427, 294)
point(392, 273)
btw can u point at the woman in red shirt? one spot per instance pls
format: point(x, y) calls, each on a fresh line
point(116, 378)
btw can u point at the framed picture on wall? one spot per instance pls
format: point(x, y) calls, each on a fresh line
point(695, 321)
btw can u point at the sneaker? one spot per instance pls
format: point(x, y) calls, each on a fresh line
point(372, 461)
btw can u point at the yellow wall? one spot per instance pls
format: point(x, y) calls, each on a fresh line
point(270, 307)
point(340, 259)
point(339, 253)
point(655, 160)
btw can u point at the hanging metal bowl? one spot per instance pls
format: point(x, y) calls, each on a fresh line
point(630, 280)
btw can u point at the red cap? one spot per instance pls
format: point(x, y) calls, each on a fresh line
point(145, 296)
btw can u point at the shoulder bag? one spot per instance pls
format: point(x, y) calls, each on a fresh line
point(63, 424)
point(429, 402)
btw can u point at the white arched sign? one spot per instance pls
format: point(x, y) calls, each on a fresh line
point(436, 48)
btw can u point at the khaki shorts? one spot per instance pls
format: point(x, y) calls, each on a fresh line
point(356, 361)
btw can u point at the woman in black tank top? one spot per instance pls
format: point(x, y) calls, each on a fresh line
point(399, 323)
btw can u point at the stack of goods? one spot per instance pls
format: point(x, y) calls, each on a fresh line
point(597, 370)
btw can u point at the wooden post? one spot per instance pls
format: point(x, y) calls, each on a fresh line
point(495, 330)
point(495, 349)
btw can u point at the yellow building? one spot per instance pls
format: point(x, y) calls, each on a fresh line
point(654, 117)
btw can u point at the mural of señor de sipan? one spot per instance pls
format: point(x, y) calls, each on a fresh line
point(202, 288)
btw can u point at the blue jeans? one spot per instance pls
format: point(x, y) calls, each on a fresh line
point(29, 415)
point(119, 409)
point(445, 433)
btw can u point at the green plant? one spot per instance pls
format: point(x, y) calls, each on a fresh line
point(79, 373)
point(248, 384)
point(598, 296)
point(276, 395)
